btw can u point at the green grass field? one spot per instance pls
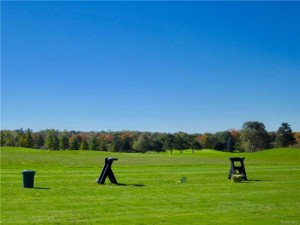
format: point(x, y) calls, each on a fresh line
point(66, 191)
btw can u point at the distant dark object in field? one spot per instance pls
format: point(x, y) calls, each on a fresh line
point(28, 178)
point(107, 172)
point(237, 169)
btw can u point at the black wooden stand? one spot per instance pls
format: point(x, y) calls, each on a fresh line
point(107, 172)
point(240, 168)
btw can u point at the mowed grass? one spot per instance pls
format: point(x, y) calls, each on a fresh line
point(66, 191)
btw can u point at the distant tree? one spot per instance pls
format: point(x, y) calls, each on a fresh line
point(55, 143)
point(64, 142)
point(38, 141)
point(142, 144)
point(254, 136)
point(230, 145)
point(105, 142)
point(8, 138)
point(181, 141)
point(28, 139)
point(110, 142)
point(235, 134)
point(157, 142)
point(169, 143)
point(115, 144)
point(197, 137)
point(25, 138)
point(93, 142)
point(74, 141)
point(51, 140)
point(284, 136)
point(84, 145)
point(272, 136)
point(126, 141)
point(220, 140)
point(207, 140)
point(195, 144)
point(20, 138)
point(297, 137)
point(2, 140)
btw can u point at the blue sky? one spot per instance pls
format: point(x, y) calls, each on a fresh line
point(149, 66)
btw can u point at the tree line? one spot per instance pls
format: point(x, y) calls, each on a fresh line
point(252, 137)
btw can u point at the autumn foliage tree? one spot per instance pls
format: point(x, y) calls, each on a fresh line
point(207, 140)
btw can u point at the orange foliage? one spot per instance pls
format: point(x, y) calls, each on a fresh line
point(235, 133)
point(105, 137)
point(126, 135)
point(199, 137)
point(297, 137)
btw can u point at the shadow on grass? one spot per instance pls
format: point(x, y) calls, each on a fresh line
point(135, 185)
point(253, 180)
point(42, 188)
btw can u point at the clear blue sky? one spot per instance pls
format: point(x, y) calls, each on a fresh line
point(149, 66)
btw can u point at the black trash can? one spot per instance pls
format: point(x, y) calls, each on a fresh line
point(28, 178)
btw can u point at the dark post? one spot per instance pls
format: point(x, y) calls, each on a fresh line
point(240, 168)
point(107, 172)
